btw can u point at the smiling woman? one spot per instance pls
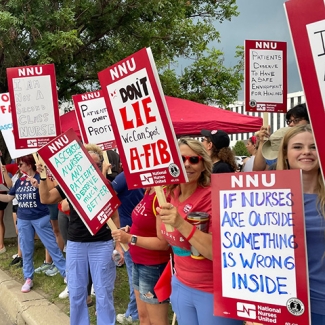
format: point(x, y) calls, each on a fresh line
point(298, 151)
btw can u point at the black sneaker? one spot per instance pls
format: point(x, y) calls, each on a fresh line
point(20, 264)
point(16, 260)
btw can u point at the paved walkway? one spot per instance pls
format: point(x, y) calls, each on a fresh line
point(28, 308)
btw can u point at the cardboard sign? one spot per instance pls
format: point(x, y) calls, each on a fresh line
point(34, 104)
point(265, 76)
point(93, 119)
point(6, 128)
point(306, 21)
point(259, 245)
point(141, 122)
point(80, 179)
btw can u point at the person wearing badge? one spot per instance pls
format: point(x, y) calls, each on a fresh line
point(192, 283)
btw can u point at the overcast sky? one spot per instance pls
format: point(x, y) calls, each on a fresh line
point(260, 20)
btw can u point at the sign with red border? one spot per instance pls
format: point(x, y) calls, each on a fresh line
point(141, 123)
point(259, 244)
point(80, 179)
point(306, 21)
point(6, 128)
point(265, 76)
point(94, 123)
point(34, 105)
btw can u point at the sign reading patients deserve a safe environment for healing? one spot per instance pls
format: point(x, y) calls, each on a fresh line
point(265, 76)
point(259, 246)
point(34, 105)
point(93, 119)
point(141, 122)
point(80, 179)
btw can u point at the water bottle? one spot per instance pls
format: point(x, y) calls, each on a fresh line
point(116, 257)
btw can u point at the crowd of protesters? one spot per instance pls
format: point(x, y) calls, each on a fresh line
point(154, 232)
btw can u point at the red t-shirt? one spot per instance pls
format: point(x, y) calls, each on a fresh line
point(197, 274)
point(144, 224)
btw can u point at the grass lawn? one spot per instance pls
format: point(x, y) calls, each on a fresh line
point(50, 287)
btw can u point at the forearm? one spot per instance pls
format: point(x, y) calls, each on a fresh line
point(259, 161)
point(6, 198)
point(200, 240)
point(46, 196)
point(151, 243)
point(116, 218)
point(7, 179)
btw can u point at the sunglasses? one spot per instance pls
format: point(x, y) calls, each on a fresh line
point(193, 160)
point(20, 164)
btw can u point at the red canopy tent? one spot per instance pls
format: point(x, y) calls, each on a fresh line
point(189, 118)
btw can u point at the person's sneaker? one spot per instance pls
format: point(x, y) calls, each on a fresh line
point(16, 260)
point(43, 268)
point(92, 292)
point(27, 285)
point(20, 264)
point(64, 294)
point(122, 319)
point(52, 271)
point(3, 250)
point(15, 255)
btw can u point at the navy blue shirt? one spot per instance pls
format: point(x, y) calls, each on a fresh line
point(128, 198)
point(29, 203)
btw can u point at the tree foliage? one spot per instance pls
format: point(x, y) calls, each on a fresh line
point(83, 37)
point(240, 149)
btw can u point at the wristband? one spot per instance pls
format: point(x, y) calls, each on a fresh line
point(191, 234)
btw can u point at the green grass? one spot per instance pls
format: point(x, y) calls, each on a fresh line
point(50, 287)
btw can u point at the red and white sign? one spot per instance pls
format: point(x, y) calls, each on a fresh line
point(80, 179)
point(306, 21)
point(34, 105)
point(141, 122)
point(265, 76)
point(259, 244)
point(6, 128)
point(94, 122)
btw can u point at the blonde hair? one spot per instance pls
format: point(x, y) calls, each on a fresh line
point(282, 163)
point(93, 148)
point(205, 177)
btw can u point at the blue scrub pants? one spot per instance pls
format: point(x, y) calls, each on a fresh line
point(44, 230)
point(132, 309)
point(195, 307)
point(98, 257)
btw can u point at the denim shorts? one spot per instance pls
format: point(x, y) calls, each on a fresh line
point(145, 278)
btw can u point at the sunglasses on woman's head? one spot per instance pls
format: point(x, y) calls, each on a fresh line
point(193, 160)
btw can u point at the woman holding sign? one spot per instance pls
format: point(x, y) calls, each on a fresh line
point(32, 216)
point(298, 151)
point(86, 251)
point(192, 284)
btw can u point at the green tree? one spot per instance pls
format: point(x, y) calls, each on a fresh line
point(240, 149)
point(84, 37)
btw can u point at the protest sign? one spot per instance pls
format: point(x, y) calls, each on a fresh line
point(93, 119)
point(306, 21)
point(34, 105)
point(141, 122)
point(6, 128)
point(259, 245)
point(80, 179)
point(265, 76)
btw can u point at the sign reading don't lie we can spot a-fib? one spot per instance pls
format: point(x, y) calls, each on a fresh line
point(259, 245)
point(34, 105)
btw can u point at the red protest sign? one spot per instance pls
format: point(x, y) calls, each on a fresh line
point(93, 119)
point(259, 245)
point(34, 105)
point(141, 122)
point(80, 179)
point(265, 76)
point(306, 21)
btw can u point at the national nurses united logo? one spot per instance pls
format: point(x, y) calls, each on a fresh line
point(295, 306)
point(174, 170)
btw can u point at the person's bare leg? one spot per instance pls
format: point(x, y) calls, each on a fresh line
point(142, 309)
point(14, 216)
point(57, 234)
point(2, 229)
point(158, 314)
